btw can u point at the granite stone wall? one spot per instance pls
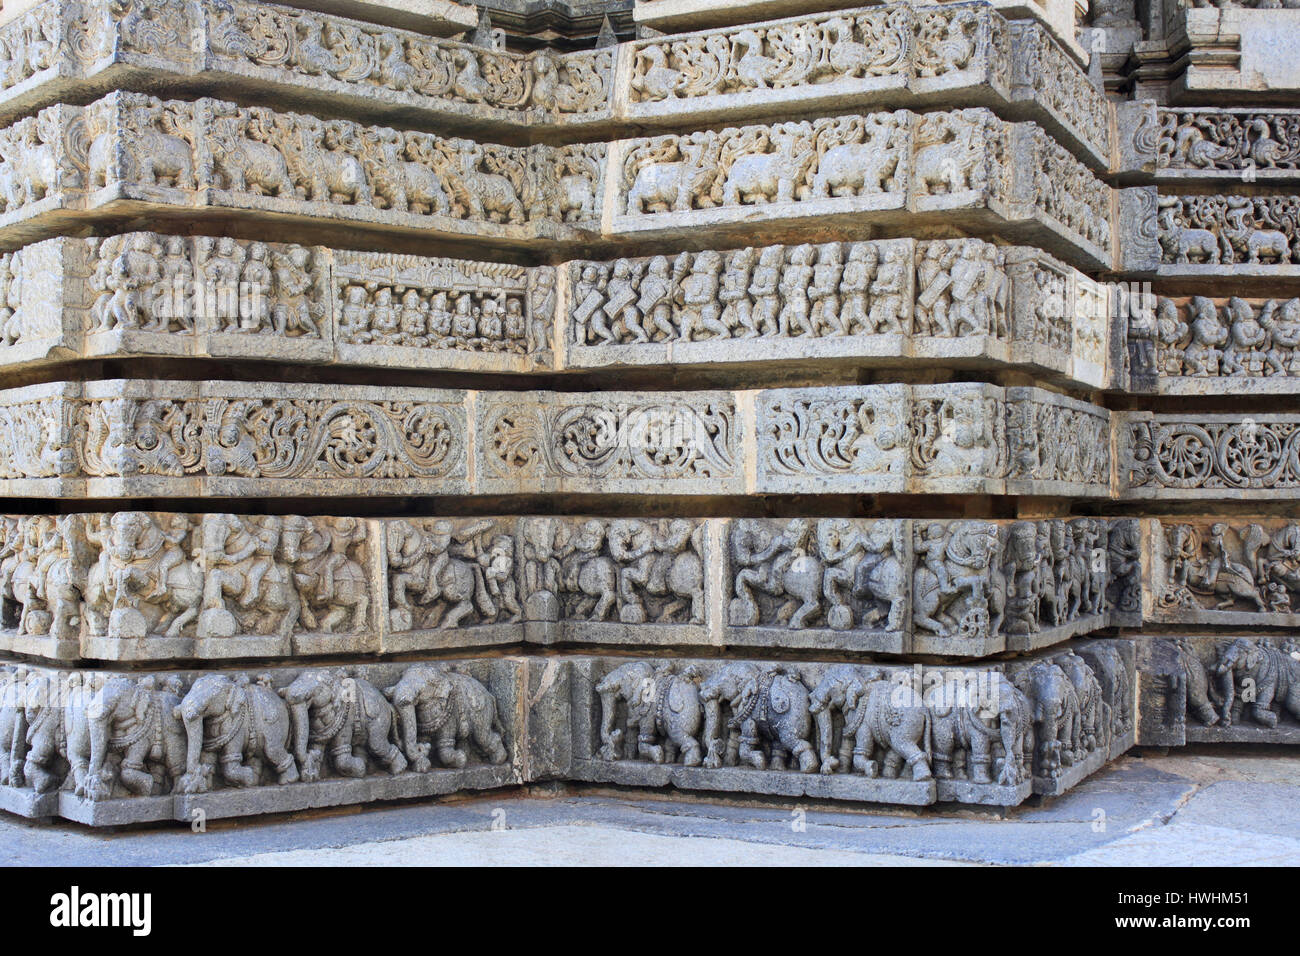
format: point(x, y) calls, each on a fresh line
point(889, 403)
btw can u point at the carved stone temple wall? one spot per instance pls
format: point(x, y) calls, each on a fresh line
point(893, 404)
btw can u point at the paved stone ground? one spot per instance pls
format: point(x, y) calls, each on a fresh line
point(1211, 806)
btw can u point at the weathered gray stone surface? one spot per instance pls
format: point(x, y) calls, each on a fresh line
point(742, 377)
point(138, 586)
point(1239, 572)
point(854, 304)
point(109, 749)
point(1203, 345)
point(1201, 457)
point(151, 294)
point(961, 167)
point(909, 735)
point(1222, 689)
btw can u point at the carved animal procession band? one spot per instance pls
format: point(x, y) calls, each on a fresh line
point(145, 438)
point(133, 154)
point(107, 748)
point(894, 55)
point(852, 303)
point(867, 732)
point(142, 586)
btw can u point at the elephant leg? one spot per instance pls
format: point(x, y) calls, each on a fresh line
point(345, 759)
point(37, 768)
point(981, 753)
point(232, 766)
point(845, 755)
point(780, 757)
point(941, 759)
point(893, 763)
point(1261, 714)
point(175, 761)
point(647, 743)
point(277, 752)
point(864, 755)
point(692, 755)
point(749, 751)
point(489, 740)
point(803, 751)
point(381, 745)
point(133, 773)
point(446, 744)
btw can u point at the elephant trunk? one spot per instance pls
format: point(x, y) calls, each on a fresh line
point(712, 725)
point(825, 732)
point(98, 727)
point(1227, 688)
point(301, 730)
point(406, 726)
point(192, 718)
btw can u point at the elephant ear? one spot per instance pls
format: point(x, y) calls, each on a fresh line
point(141, 705)
point(853, 693)
point(748, 691)
point(679, 696)
point(1253, 656)
point(780, 696)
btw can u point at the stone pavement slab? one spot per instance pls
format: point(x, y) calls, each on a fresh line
point(1193, 807)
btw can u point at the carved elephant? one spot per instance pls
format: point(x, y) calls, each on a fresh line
point(1274, 673)
point(58, 737)
point(664, 711)
point(769, 706)
point(135, 720)
point(1117, 683)
point(1094, 713)
point(450, 707)
point(238, 725)
point(13, 725)
point(332, 173)
point(248, 165)
point(878, 714)
point(1055, 709)
point(996, 713)
point(417, 189)
point(344, 718)
point(152, 156)
point(1192, 680)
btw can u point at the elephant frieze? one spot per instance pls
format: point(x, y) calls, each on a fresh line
point(1054, 705)
point(452, 709)
point(966, 733)
point(238, 725)
point(58, 743)
point(1274, 674)
point(345, 718)
point(878, 716)
point(768, 707)
point(135, 721)
point(664, 712)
